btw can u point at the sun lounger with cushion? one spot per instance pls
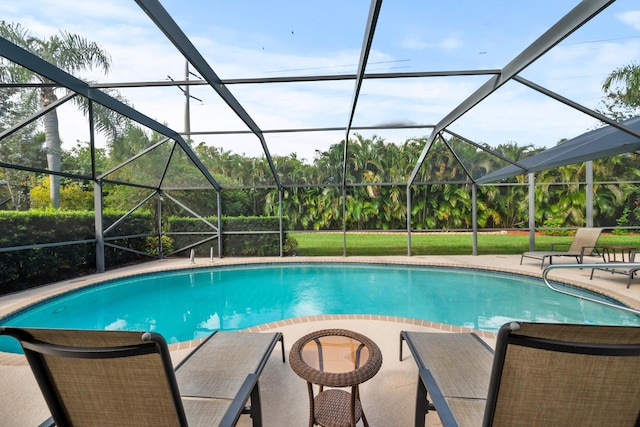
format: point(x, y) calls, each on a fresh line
point(120, 378)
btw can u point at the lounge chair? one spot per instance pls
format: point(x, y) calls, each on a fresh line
point(583, 244)
point(631, 269)
point(541, 375)
point(117, 378)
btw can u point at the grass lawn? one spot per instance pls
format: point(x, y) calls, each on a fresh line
point(330, 244)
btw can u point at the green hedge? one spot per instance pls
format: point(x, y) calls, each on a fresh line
point(27, 268)
point(232, 244)
point(32, 267)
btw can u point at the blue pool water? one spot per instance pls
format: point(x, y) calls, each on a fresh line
point(187, 304)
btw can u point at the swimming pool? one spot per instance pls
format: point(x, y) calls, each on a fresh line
point(186, 304)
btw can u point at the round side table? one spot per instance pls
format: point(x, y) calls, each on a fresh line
point(336, 358)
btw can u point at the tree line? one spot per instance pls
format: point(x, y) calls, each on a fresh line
point(376, 193)
point(441, 194)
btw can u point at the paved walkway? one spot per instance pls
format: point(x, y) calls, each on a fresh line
point(387, 398)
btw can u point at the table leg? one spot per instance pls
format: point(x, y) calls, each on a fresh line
point(312, 416)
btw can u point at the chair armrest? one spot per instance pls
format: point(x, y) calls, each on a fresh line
point(441, 405)
point(237, 407)
point(48, 423)
point(593, 249)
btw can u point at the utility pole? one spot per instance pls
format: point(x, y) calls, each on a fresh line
point(187, 95)
point(187, 110)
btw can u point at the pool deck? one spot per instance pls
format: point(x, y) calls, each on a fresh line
point(388, 398)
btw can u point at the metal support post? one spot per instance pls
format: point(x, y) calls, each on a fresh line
point(219, 224)
point(532, 212)
point(474, 217)
point(408, 220)
point(589, 191)
point(98, 227)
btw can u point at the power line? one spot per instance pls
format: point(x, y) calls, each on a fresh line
point(184, 91)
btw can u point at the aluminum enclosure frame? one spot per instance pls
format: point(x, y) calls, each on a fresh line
point(582, 13)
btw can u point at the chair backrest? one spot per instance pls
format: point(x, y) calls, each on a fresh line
point(103, 378)
point(560, 375)
point(585, 237)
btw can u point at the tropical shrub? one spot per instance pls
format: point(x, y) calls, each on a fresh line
point(35, 263)
point(242, 236)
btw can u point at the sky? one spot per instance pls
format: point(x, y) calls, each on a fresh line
point(257, 39)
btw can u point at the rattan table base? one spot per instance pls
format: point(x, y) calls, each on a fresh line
point(335, 359)
point(333, 408)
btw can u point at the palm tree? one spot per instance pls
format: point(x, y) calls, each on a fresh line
point(69, 52)
point(622, 90)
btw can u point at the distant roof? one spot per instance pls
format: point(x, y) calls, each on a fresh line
point(603, 142)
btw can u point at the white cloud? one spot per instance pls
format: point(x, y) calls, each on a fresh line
point(450, 43)
point(630, 18)
point(120, 10)
point(414, 42)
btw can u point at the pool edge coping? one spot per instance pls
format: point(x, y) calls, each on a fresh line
point(13, 359)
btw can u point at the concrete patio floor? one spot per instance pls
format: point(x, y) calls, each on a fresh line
point(388, 398)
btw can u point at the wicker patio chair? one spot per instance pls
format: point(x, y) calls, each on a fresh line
point(583, 244)
point(547, 375)
point(109, 378)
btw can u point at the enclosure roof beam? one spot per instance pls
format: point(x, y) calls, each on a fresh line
point(38, 65)
point(568, 24)
point(484, 148)
point(323, 129)
point(458, 159)
point(578, 107)
point(43, 171)
point(573, 20)
point(37, 115)
point(174, 33)
point(131, 159)
point(372, 20)
point(288, 79)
